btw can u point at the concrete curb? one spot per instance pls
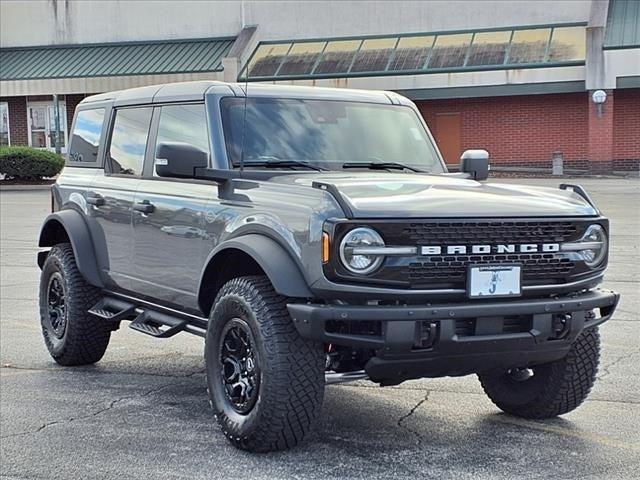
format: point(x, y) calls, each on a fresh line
point(14, 188)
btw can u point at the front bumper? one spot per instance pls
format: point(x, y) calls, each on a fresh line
point(416, 341)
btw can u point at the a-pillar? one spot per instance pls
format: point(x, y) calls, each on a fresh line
point(600, 153)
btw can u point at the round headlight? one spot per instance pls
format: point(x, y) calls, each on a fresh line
point(357, 262)
point(596, 236)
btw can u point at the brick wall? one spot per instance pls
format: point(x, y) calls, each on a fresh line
point(520, 130)
point(626, 130)
point(526, 130)
point(72, 102)
point(18, 133)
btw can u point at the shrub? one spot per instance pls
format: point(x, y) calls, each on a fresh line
point(26, 163)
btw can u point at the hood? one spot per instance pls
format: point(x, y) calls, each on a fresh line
point(405, 195)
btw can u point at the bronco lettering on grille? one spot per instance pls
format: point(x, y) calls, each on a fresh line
point(487, 249)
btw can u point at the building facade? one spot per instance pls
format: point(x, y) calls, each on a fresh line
point(515, 77)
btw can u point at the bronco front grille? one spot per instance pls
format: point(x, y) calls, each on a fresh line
point(449, 271)
point(454, 268)
point(434, 233)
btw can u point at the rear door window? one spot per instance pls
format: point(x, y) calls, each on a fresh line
point(129, 140)
point(85, 138)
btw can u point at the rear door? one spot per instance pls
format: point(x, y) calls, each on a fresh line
point(171, 241)
point(112, 193)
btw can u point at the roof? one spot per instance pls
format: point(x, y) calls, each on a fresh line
point(114, 59)
point(192, 91)
point(623, 24)
point(418, 53)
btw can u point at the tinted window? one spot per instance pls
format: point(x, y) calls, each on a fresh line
point(129, 140)
point(450, 50)
point(411, 53)
point(529, 46)
point(184, 124)
point(568, 44)
point(489, 48)
point(337, 56)
point(267, 60)
point(85, 137)
point(301, 58)
point(374, 55)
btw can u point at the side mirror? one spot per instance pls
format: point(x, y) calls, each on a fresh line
point(179, 160)
point(475, 163)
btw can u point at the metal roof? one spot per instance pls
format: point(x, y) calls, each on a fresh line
point(623, 24)
point(114, 59)
point(528, 46)
point(192, 91)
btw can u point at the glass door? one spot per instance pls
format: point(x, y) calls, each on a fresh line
point(38, 127)
point(42, 126)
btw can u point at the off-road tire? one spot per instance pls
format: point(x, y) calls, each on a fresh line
point(555, 388)
point(85, 337)
point(291, 378)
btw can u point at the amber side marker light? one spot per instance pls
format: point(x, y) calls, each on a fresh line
point(325, 247)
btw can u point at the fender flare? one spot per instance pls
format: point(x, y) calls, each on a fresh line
point(277, 264)
point(78, 232)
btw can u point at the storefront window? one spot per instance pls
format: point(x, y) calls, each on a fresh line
point(4, 123)
point(302, 58)
point(412, 53)
point(489, 48)
point(529, 46)
point(568, 44)
point(267, 60)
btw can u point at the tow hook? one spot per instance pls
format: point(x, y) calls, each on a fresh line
point(560, 325)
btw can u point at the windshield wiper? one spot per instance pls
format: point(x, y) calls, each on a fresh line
point(284, 163)
point(381, 166)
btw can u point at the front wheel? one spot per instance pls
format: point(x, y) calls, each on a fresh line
point(265, 382)
point(548, 390)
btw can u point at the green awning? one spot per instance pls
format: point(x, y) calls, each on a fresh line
point(623, 24)
point(114, 59)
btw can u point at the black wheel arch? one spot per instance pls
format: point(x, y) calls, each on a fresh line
point(68, 226)
point(251, 254)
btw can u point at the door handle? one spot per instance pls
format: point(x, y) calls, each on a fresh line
point(144, 206)
point(97, 201)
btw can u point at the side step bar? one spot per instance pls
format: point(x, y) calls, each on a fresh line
point(153, 320)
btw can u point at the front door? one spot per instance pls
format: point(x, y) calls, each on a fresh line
point(447, 134)
point(171, 239)
point(42, 125)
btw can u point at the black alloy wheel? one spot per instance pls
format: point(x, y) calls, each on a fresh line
point(56, 305)
point(240, 366)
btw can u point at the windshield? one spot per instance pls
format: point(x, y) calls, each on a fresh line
point(326, 134)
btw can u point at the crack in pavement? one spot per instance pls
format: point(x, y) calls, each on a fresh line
point(606, 369)
point(411, 412)
point(101, 372)
point(110, 406)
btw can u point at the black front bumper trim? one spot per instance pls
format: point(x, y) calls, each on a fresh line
point(397, 358)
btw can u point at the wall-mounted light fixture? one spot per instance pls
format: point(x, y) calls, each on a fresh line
point(599, 97)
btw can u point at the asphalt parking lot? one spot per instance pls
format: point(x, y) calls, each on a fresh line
point(142, 411)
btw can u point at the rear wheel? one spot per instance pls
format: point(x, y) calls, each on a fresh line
point(265, 382)
point(71, 334)
point(548, 390)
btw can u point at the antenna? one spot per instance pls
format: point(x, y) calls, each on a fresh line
point(244, 116)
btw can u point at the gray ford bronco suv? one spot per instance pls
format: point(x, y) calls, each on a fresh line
point(313, 236)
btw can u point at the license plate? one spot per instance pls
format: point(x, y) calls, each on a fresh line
point(494, 281)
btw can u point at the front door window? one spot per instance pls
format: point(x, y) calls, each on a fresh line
point(42, 126)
